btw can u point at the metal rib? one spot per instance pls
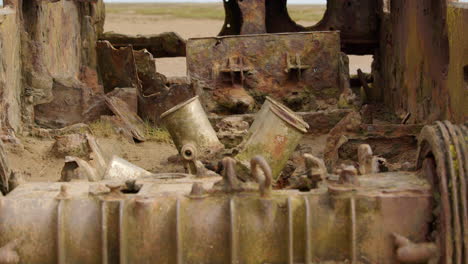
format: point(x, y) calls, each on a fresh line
point(454, 194)
point(61, 252)
point(122, 244)
point(308, 246)
point(290, 233)
point(178, 234)
point(233, 232)
point(353, 231)
point(104, 242)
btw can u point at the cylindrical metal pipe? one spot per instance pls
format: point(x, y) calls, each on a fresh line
point(275, 134)
point(188, 124)
point(265, 108)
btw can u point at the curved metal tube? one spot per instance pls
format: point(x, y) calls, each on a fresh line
point(229, 174)
point(258, 162)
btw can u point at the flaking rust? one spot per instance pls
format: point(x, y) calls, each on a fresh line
point(300, 69)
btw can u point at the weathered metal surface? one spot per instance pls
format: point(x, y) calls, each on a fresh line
point(4, 170)
point(396, 143)
point(266, 108)
point(66, 106)
point(300, 69)
point(443, 156)
point(274, 134)
point(168, 44)
point(120, 169)
point(188, 124)
point(357, 21)
point(117, 66)
point(154, 226)
point(419, 66)
point(133, 123)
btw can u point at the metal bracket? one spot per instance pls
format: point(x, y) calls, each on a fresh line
point(294, 65)
point(235, 69)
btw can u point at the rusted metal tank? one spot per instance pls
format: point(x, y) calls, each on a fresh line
point(163, 223)
point(190, 128)
point(274, 134)
point(177, 221)
point(266, 106)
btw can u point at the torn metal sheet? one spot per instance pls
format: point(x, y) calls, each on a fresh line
point(133, 123)
point(120, 169)
point(167, 44)
point(299, 69)
point(116, 66)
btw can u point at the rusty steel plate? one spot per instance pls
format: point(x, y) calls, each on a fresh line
point(300, 69)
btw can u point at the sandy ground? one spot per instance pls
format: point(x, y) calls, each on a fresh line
point(188, 28)
point(36, 159)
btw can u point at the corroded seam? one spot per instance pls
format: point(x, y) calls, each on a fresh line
point(308, 246)
point(290, 232)
point(122, 238)
point(353, 230)
point(61, 251)
point(104, 242)
point(178, 234)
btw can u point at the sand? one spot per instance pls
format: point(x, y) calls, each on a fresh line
point(188, 28)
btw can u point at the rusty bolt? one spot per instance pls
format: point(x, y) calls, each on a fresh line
point(197, 190)
point(63, 194)
point(348, 175)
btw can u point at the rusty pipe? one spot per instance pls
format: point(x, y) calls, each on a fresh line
point(256, 163)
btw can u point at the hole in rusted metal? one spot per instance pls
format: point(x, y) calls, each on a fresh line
point(131, 187)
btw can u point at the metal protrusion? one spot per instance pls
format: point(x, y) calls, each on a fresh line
point(365, 158)
point(258, 163)
point(188, 152)
point(16, 179)
point(316, 170)
point(348, 175)
point(115, 190)
point(409, 252)
point(229, 174)
point(197, 190)
point(63, 194)
point(8, 254)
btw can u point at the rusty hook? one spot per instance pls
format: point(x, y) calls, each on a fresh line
point(259, 162)
point(229, 174)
